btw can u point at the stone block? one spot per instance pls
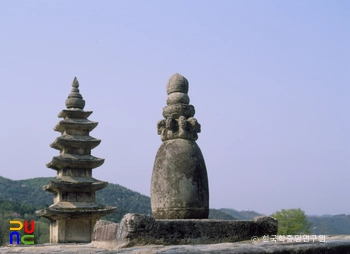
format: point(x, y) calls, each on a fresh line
point(105, 231)
point(136, 229)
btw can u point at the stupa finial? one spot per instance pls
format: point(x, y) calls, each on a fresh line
point(75, 100)
point(179, 121)
point(177, 83)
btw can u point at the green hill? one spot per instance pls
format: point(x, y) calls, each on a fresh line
point(215, 214)
point(21, 198)
point(26, 191)
point(30, 192)
point(330, 225)
point(240, 215)
point(10, 210)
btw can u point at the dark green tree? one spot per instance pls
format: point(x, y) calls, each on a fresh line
point(2, 230)
point(292, 222)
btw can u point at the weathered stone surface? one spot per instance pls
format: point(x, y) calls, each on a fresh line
point(177, 97)
point(177, 83)
point(74, 212)
point(177, 110)
point(105, 231)
point(179, 182)
point(179, 185)
point(265, 224)
point(333, 245)
point(136, 229)
point(75, 100)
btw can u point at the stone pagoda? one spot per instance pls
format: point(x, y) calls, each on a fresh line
point(74, 212)
point(179, 186)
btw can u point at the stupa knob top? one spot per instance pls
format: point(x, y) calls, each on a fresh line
point(75, 100)
point(177, 83)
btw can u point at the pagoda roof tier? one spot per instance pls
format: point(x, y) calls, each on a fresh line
point(74, 113)
point(66, 210)
point(74, 184)
point(77, 179)
point(75, 161)
point(77, 141)
point(75, 123)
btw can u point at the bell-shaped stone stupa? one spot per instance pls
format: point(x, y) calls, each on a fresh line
point(179, 186)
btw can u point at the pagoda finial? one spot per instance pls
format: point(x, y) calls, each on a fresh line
point(75, 100)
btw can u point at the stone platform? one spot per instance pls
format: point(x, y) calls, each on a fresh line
point(333, 245)
point(136, 230)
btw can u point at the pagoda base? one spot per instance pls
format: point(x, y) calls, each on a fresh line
point(72, 230)
point(73, 225)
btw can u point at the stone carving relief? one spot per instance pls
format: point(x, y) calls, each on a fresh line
point(171, 128)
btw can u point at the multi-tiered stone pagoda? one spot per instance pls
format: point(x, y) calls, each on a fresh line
point(179, 186)
point(74, 212)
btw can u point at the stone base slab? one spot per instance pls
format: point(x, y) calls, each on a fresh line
point(333, 245)
point(136, 230)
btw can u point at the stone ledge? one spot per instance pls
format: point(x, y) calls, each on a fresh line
point(136, 230)
point(333, 245)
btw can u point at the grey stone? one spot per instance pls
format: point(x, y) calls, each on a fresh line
point(137, 230)
point(105, 231)
point(177, 97)
point(177, 83)
point(179, 185)
point(266, 224)
point(177, 110)
point(333, 245)
point(75, 100)
point(74, 212)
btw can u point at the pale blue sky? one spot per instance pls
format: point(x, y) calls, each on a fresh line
point(269, 81)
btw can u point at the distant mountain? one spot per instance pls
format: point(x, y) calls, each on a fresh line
point(330, 225)
point(326, 215)
point(126, 201)
point(241, 215)
point(26, 191)
point(215, 214)
point(30, 192)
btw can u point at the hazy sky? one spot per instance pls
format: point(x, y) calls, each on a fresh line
point(269, 81)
